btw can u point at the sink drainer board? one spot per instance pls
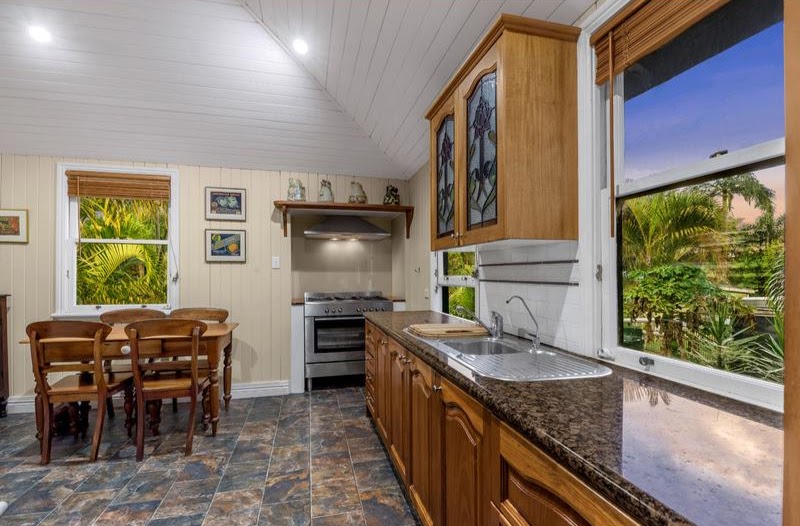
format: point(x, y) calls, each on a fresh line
point(518, 363)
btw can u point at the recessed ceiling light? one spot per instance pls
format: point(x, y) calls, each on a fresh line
point(40, 34)
point(300, 46)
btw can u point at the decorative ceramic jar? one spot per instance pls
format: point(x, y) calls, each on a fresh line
point(357, 194)
point(325, 191)
point(392, 196)
point(297, 192)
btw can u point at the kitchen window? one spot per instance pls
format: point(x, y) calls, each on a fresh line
point(117, 238)
point(455, 275)
point(698, 136)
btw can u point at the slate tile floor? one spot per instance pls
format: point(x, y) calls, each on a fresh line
point(297, 460)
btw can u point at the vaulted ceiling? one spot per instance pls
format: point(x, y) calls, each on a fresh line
point(213, 82)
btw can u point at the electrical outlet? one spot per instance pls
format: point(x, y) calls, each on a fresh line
point(276, 262)
point(426, 293)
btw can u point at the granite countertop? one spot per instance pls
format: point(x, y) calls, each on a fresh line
point(665, 453)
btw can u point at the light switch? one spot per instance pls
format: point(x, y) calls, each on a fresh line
point(276, 262)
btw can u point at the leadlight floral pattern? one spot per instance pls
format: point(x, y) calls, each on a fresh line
point(482, 153)
point(445, 177)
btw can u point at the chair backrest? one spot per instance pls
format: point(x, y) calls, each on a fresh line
point(131, 315)
point(200, 313)
point(165, 329)
point(49, 357)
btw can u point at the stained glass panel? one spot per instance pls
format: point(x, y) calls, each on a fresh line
point(482, 153)
point(445, 177)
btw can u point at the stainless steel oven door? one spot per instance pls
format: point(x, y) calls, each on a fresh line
point(334, 339)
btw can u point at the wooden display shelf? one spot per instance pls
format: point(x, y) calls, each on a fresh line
point(288, 208)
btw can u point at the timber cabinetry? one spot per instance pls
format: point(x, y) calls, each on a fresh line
point(460, 464)
point(503, 139)
point(371, 337)
point(4, 374)
point(531, 489)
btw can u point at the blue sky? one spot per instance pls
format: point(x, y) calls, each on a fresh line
point(730, 101)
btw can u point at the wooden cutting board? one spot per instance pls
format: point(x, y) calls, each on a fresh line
point(446, 330)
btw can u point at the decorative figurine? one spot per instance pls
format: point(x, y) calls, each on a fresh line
point(392, 196)
point(357, 194)
point(297, 192)
point(325, 191)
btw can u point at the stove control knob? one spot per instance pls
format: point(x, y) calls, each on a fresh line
point(371, 309)
point(326, 310)
point(340, 309)
point(358, 309)
point(383, 308)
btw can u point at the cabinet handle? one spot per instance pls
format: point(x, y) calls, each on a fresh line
point(369, 377)
point(384, 342)
point(453, 236)
point(407, 360)
point(437, 388)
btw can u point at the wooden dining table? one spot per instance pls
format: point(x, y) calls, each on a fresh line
point(216, 341)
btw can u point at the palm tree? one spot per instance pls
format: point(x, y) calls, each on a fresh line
point(669, 227)
point(744, 185)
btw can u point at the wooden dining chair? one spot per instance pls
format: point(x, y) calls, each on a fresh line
point(206, 314)
point(155, 381)
point(90, 384)
point(126, 316)
point(201, 314)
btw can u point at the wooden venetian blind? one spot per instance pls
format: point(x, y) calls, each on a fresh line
point(643, 27)
point(117, 185)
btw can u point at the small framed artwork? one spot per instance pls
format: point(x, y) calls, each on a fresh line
point(226, 204)
point(225, 246)
point(13, 226)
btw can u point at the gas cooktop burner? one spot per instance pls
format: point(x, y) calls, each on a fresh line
point(345, 303)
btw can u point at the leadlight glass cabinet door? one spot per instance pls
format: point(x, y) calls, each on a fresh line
point(445, 185)
point(445, 177)
point(481, 153)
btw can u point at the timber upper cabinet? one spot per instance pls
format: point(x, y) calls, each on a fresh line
point(503, 139)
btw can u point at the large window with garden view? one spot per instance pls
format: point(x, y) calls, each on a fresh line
point(119, 239)
point(701, 200)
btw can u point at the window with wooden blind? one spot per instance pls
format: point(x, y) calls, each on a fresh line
point(697, 191)
point(119, 239)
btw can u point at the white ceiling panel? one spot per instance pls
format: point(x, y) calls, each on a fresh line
point(384, 61)
point(179, 81)
point(214, 82)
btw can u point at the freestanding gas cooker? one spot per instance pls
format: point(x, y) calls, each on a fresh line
point(334, 337)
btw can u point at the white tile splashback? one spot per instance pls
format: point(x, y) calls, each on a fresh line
point(557, 307)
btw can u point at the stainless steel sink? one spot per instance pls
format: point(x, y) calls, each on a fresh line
point(482, 347)
point(514, 359)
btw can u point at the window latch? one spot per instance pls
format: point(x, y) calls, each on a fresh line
point(598, 275)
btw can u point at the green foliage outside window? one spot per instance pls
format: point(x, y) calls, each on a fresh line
point(460, 264)
point(693, 274)
point(115, 273)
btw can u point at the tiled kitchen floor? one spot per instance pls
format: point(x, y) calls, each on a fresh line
point(292, 460)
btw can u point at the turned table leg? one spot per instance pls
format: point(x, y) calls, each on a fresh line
point(226, 371)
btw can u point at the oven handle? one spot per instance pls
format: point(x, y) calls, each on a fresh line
point(340, 318)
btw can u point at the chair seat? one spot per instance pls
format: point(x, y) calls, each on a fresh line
point(85, 384)
point(172, 381)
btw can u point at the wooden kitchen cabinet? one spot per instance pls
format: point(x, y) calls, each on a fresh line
point(459, 457)
point(422, 440)
point(398, 408)
point(461, 465)
point(503, 136)
point(531, 489)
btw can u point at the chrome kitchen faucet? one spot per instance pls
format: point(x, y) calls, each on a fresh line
point(533, 335)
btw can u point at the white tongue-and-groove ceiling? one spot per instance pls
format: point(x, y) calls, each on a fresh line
point(213, 82)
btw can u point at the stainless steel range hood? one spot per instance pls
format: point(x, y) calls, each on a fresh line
point(346, 227)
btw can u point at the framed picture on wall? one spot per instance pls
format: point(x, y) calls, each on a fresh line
point(226, 204)
point(225, 246)
point(13, 226)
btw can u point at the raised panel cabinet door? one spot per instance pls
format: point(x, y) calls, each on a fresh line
point(383, 385)
point(420, 421)
point(398, 445)
point(443, 184)
point(461, 451)
point(535, 490)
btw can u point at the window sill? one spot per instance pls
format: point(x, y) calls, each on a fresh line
point(738, 387)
